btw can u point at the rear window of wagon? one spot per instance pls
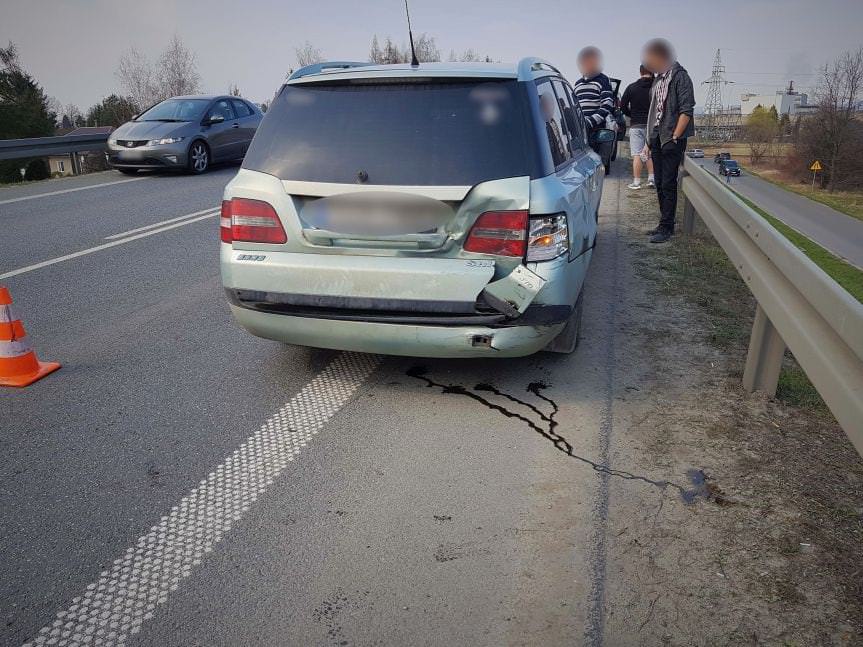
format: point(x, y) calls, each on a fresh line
point(449, 132)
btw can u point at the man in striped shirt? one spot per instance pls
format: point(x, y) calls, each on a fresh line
point(595, 97)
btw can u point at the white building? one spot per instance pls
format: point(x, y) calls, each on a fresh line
point(786, 102)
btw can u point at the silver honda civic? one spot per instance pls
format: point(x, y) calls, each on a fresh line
point(186, 133)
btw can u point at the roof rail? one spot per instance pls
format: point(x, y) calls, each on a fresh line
point(531, 64)
point(317, 68)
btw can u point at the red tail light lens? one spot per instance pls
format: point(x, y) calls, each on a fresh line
point(251, 221)
point(225, 222)
point(503, 233)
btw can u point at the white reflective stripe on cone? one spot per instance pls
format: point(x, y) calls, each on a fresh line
point(15, 348)
point(8, 314)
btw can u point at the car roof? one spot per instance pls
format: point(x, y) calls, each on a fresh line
point(208, 97)
point(527, 68)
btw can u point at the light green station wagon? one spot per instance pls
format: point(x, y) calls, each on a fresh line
point(439, 210)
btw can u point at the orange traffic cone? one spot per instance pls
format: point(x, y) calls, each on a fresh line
point(18, 363)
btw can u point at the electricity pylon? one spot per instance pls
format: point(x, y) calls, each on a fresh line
point(713, 122)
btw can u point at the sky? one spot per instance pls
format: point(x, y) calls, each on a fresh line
point(72, 47)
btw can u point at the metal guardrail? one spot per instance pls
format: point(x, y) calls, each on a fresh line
point(11, 149)
point(799, 305)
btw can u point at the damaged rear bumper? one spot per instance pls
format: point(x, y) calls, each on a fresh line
point(362, 333)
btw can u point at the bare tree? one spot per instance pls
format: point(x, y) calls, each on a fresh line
point(376, 54)
point(425, 46)
point(55, 108)
point(177, 72)
point(138, 79)
point(308, 54)
point(9, 58)
point(73, 114)
point(234, 90)
point(174, 74)
point(426, 49)
point(833, 134)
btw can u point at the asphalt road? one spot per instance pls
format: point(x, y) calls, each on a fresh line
point(179, 482)
point(836, 232)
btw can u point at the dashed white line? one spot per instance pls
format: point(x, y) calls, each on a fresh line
point(99, 248)
point(163, 222)
point(115, 606)
point(77, 188)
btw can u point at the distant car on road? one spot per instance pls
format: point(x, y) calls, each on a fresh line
point(729, 167)
point(187, 133)
point(696, 153)
point(721, 156)
point(445, 210)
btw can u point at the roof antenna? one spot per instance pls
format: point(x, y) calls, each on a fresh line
point(414, 61)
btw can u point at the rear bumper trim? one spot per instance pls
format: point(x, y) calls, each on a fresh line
point(393, 311)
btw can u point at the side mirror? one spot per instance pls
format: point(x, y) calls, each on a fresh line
point(604, 136)
point(215, 119)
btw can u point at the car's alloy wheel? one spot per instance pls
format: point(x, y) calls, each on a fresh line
point(199, 157)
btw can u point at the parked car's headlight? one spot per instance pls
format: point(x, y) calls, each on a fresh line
point(112, 142)
point(166, 140)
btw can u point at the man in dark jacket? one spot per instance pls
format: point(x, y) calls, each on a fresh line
point(635, 104)
point(669, 124)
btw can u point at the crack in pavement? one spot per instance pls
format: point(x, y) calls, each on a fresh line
point(548, 431)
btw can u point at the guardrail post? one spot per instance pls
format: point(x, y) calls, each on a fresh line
point(688, 225)
point(688, 216)
point(764, 361)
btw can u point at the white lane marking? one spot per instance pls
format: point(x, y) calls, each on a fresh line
point(99, 248)
point(163, 222)
point(115, 606)
point(79, 188)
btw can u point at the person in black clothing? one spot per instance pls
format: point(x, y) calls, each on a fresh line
point(669, 123)
point(635, 104)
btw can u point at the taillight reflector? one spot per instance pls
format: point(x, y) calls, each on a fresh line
point(503, 233)
point(250, 221)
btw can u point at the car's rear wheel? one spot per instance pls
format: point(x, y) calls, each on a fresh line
point(128, 171)
point(567, 341)
point(199, 157)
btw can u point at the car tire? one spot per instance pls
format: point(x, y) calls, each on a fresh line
point(199, 157)
point(128, 171)
point(567, 340)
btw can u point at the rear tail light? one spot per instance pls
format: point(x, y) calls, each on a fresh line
point(250, 221)
point(225, 222)
point(548, 237)
point(499, 232)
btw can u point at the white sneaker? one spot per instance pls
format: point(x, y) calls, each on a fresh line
point(651, 183)
point(634, 185)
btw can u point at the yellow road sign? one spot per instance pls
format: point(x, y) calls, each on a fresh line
point(816, 166)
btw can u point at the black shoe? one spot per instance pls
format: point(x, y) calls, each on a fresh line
point(653, 231)
point(660, 237)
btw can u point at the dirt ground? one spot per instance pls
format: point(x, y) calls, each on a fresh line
point(770, 549)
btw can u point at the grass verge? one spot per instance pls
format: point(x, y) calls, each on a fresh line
point(846, 275)
point(697, 268)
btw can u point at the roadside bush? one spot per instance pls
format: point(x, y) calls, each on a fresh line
point(9, 172)
point(37, 170)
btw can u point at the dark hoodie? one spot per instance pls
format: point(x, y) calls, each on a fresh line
point(635, 102)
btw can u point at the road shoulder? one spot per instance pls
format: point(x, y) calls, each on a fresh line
point(767, 551)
